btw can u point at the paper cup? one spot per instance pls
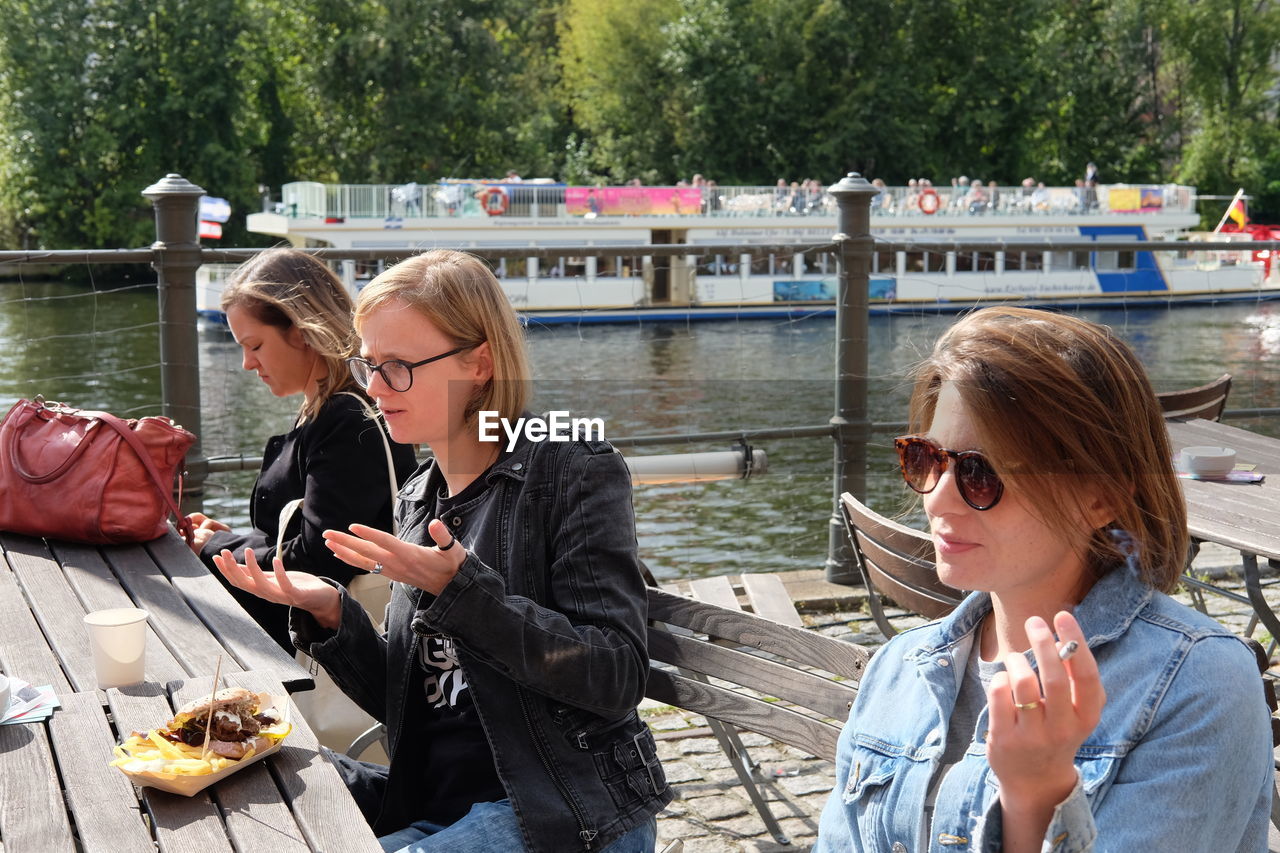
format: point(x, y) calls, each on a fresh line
point(118, 638)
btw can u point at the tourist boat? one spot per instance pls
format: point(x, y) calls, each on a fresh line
point(482, 215)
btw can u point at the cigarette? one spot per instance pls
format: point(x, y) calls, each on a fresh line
point(1068, 650)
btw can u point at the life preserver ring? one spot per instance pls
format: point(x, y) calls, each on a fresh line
point(928, 201)
point(494, 200)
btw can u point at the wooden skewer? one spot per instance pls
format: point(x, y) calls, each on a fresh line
point(217, 674)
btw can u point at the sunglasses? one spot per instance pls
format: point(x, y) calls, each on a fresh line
point(923, 461)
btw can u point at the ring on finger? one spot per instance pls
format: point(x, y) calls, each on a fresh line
point(377, 568)
point(1026, 706)
point(452, 540)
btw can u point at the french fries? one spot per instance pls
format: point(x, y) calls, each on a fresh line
point(154, 754)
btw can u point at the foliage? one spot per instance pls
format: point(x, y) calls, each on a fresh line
point(100, 98)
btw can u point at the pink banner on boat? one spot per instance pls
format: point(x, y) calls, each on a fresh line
point(632, 201)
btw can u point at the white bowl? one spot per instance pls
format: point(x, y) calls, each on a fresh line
point(1205, 461)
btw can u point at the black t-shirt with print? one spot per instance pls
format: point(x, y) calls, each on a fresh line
point(458, 762)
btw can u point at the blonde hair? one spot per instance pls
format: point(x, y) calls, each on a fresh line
point(460, 296)
point(1051, 395)
point(287, 289)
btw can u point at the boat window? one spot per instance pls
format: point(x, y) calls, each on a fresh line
point(762, 264)
point(607, 267)
point(513, 268)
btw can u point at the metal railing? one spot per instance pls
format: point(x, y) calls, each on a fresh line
point(469, 199)
point(176, 255)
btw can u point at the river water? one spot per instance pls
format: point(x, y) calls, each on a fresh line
point(99, 349)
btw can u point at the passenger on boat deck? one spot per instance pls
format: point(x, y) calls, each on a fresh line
point(1067, 703)
point(977, 197)
point(291, 317)
point(883, 200)
point(993, 195)
point(1040, 198)
point(514, 652)
point(713, 196)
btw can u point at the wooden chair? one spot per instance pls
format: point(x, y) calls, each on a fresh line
point(768, 597)
point(896, 562)
point(789, 684)
point(1204, 401)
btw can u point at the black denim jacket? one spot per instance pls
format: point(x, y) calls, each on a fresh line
point(552, 642)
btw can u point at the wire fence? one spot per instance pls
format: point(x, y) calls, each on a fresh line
point(98, 339)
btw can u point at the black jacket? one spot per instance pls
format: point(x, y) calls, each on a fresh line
point(337, 463)
point(551, 639)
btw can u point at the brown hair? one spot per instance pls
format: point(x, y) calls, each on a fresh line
point(290, 289)
point(1051, 394)
point(460, 296)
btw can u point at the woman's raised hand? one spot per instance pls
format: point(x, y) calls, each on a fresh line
point(296, 589)
point(1038, 724)
point(373, 550)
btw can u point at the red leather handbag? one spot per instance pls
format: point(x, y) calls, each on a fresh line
point(86, 476)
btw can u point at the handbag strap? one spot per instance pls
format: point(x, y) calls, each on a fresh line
point(30, 410)
point(140, 449)
point(391, 465)
point(287, 511)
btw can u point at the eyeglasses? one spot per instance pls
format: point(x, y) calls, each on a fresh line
point(396, 373)
point(923, 463)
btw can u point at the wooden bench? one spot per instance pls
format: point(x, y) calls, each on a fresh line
point(743, 670)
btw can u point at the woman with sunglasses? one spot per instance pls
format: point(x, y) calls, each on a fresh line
point(1068, 703)
point(291, 317)
point(514, 655)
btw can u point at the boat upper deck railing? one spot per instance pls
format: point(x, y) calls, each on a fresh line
point(542, 201)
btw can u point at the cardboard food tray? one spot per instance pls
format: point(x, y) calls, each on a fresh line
point(189, 786)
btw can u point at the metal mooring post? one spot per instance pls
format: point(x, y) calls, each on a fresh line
point(849, 424)
point(177, 205)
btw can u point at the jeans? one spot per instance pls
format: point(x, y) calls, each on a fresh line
point(492, 828)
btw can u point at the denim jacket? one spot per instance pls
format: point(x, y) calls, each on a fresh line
point(1181, 759)
point(551, 640)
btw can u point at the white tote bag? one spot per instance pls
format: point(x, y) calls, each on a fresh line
point(336, 720)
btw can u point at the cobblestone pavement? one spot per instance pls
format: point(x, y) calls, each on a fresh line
point(711, 812)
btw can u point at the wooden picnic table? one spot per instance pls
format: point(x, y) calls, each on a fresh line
point(1242, 516)
point(47, 586)
point(58, 791)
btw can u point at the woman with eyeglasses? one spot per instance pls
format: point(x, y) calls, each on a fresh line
point(291, 317)
point(514, 652)
point(1068, 703)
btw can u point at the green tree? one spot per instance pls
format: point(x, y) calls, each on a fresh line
point(103, 98)
point(1226, 56)
point(614, 86)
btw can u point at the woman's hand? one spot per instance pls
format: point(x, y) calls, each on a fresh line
point(1037, 725)
point(428, 569)
point(203, 529)
point(296, 589)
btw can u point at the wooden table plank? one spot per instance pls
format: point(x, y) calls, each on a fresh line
point(23, 647)
point(107, 812)
point(182, 824)
point(97, 588)
point(251, 803)
point(173, 621)
point(32, 816)
point(1244, 516)
point(320, 800)
point(224, 617)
